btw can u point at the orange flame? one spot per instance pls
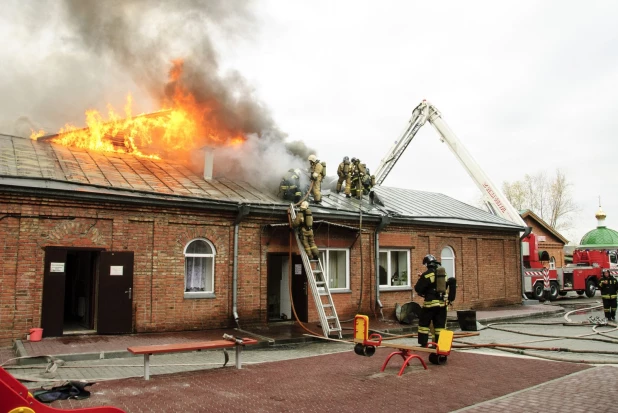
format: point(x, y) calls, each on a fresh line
point(179, 126)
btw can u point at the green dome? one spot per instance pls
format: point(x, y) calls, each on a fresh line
point(600, 237)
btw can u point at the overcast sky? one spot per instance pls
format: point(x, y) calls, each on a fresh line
point(527, 86)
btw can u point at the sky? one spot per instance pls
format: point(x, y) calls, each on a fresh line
point(526, 86)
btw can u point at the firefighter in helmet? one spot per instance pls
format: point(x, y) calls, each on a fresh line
point(316, 172)
point(438, 292)
point(304, 220)
point(609, 286)
point(289, 188)
point(358, 173)
point(344, 174)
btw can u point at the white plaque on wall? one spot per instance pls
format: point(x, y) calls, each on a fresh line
point(115, 269)
point(298, 269)
point(56, 267)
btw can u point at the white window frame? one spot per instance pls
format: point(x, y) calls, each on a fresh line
point(200, 294)
point(325, 259)
point(448, 262)
point(389, 271)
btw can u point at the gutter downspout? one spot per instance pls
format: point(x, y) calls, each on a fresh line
point(384, 221)
point(527, 232)
point(243, 211)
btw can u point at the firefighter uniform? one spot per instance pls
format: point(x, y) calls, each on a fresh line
point(434, 306)
point(358, 173)
point(289, 188)
point(609, 286)
point(316, 171)
point(304, 220)
point(344, 174)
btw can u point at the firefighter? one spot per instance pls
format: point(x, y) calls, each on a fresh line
point(433, 285)
point(304, 220)
point(344, 176)
point(289, 188)
point(358, 172)
point(316, 174)
point(609, 286)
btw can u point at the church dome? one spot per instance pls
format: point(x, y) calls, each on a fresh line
point(601, 236)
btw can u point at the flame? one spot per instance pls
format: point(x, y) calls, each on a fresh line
point(181, 125)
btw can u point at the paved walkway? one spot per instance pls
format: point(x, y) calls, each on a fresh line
point(290, 371)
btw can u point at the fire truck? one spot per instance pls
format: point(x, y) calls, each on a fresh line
point(540, 278)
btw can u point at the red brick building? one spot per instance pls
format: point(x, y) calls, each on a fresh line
point(112, 244)
point(551, 243)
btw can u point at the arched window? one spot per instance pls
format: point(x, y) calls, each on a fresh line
point(552, 263)
point(199, 267)
point(447, 258)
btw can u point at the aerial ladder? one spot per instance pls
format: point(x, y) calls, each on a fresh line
point(493, 198)
point(319, 287)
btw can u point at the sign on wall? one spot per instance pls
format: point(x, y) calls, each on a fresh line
point(298, 269)
point(56, 267)
point(115, 270)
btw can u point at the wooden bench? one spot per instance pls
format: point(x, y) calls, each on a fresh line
point(15, 397)
point(147, 351)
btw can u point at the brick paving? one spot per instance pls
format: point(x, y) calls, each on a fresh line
point(345, 382)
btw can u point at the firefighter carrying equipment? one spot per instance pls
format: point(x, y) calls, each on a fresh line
point(289, 188)
point(609, 288)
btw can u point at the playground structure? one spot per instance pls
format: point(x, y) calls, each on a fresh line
point(366, 346)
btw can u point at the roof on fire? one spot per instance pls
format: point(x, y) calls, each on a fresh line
point(51, 168)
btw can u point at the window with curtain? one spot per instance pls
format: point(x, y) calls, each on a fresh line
point(335, 262)
point(447, 258)
point(394, 269)
point(199, 267)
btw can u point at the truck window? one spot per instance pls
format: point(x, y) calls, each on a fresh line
point(613, 258)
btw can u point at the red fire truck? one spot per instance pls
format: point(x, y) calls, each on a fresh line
point(543, 280)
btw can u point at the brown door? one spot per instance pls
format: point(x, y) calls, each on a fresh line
point(115, 298)
point(299, 288)
point(52, 308)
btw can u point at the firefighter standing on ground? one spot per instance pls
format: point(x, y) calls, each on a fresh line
point(304, 220)
point(316, 172)
point(609, 286)
point(289, 188)
point(344, 173)
point(433, 285)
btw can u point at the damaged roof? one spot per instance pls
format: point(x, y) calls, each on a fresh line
point(47, 167)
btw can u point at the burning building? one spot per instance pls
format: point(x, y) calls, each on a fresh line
point(108, 242)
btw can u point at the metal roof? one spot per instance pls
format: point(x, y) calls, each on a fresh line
point(46, 166)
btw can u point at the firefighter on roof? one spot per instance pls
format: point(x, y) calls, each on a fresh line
point(289, 188)
point(438, 292)
point(316, 172)
point(304, 220)
point(359, 170)
point(609, 286)
point(344, 173)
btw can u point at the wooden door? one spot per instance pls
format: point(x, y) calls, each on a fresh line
point(115, 293)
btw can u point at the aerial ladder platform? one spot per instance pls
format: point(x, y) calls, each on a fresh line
point(319, 287)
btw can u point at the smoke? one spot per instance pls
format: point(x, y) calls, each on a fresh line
point(98, 51)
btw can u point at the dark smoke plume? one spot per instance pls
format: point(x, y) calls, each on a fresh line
point(110, 47)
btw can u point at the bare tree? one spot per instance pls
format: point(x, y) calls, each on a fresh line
point(549, 199)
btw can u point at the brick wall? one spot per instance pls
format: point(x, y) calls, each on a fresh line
point(486, 262)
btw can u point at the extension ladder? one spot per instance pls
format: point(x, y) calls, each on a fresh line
point(319, 287)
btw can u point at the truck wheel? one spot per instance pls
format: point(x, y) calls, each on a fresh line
point(538, 291)
point(563, 293)
point(553, 291)
point(591, 288)
point(579, 293)
point(529, 296)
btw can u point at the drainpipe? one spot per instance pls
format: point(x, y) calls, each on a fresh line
point(527, 232)
point(243, 211)
point(384, 221)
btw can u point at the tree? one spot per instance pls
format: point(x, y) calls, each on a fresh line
point(549, 199)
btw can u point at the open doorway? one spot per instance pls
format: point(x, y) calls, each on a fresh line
point(278, 303)
point(79, 292)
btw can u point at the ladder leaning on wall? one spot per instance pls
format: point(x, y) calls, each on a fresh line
point(319, 287)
